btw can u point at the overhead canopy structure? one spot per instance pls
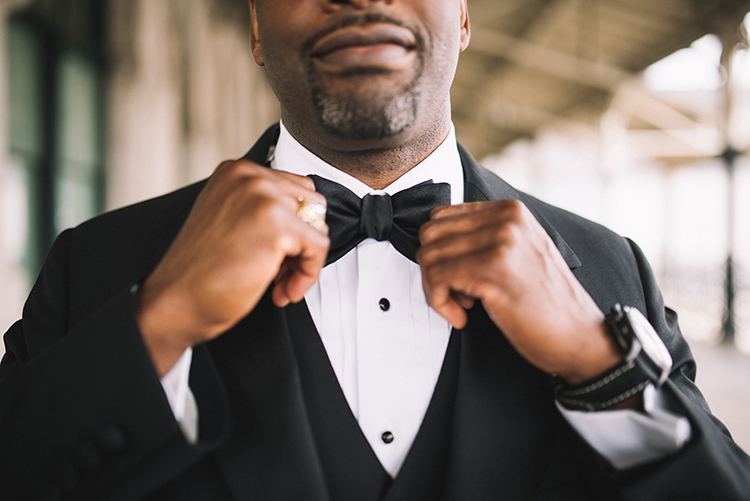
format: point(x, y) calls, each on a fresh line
point(533, 61)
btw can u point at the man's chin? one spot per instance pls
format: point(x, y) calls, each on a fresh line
point(367, 111)
point(373, 119)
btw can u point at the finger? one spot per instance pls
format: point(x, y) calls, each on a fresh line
point(487, 239)
point(449, 301)
point(304, 195)
point(441, 299)
point(260, 178)
point(304, 181)
point(291, 287)
point(299, 192)
point(466, 302)
point(300, 270)
point(457, 278)
point(454, 314)
point(279, 297)
point(449, 210)
point(470, 217)
point(257, 169)
point(284, 270)
point(290, 195)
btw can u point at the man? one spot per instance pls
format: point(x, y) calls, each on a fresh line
point(411, 370)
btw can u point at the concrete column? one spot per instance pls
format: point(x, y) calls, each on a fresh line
point(143, 101)
point(184, 94)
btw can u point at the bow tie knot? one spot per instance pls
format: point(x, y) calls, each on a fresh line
point(376, 220)
point(383, 217)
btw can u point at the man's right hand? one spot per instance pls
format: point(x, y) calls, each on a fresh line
point(241, 235)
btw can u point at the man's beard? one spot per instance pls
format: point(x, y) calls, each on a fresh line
point(355, 113)
point(364, 112)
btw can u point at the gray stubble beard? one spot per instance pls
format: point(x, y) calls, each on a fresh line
point(354, 116)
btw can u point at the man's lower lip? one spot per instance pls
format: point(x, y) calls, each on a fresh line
point(384, 54)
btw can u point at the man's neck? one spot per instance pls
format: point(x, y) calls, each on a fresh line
point(377, 164)
point(442, 166)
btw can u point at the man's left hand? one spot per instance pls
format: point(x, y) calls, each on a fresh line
point(498, 253)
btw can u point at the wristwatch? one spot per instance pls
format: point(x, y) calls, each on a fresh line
point(646, 361)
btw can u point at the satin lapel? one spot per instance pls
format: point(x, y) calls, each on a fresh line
point(270, 453)
point(504, 419)
point(263, 150)
point(481, 184)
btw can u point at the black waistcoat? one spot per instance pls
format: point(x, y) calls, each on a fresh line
point(351, 469)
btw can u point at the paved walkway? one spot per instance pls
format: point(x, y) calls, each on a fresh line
point(724, 378)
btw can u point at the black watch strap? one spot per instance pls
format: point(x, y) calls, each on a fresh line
point(617, 385)
point(646, 362)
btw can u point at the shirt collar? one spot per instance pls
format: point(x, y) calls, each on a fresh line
point(442, 166)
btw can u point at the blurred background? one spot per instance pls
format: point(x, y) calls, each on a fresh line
point(633, 113)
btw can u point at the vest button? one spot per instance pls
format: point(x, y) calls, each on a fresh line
point(387, 437)
point(385, 305)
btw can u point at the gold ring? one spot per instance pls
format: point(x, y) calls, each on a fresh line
point(312, 213)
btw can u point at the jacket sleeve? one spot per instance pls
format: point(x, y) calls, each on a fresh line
point(82, 411)
point(711, 465)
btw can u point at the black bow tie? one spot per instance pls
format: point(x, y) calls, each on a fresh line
point(395, 218)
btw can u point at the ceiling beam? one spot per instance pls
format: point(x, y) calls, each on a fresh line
point(676, 143)
point(634, 99)
point(543, 59)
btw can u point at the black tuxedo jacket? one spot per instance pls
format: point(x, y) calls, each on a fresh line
point(83, 414)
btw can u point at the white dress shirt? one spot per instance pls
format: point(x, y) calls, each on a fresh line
point(386, 345)
point(387, 358)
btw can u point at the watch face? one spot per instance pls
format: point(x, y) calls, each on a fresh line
point(650, 340)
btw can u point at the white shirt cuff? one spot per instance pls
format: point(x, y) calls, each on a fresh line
point(628, 438)
point(181, 399)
